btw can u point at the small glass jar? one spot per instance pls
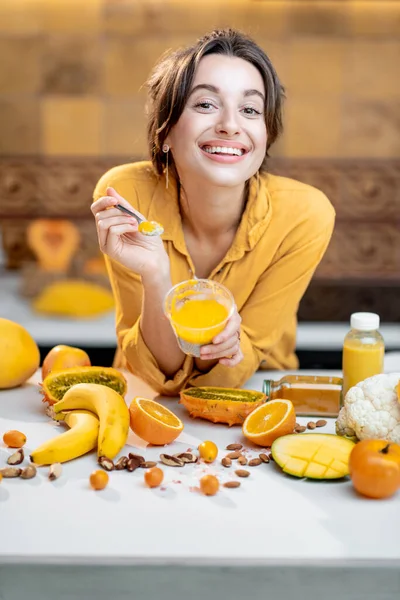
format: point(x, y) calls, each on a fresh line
point(311, 395)
point(363, 350)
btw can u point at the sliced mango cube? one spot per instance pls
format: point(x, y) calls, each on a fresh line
point(314, 455)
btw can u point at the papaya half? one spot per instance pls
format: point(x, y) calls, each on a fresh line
point(221, 405)
point(56, 384)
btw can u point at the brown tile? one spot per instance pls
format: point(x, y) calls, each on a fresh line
point(321, 17)
point(371, 129)
point(312, 126)
point(255, 18)
point(20, 126)
point(20, 17)
point(156, 16)
point(316, 65)
point(72, 126)
point(20, 64)
point(374, 19)
point(125, 128)
point(71, 65)
point(81, 16)
point(373, 70)
point(128, 63)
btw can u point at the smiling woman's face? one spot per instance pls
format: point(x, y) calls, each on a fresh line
point(221, 135)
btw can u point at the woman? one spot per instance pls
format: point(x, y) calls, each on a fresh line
point(215, 110)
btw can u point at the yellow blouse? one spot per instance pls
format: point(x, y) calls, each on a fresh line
point(283, 234)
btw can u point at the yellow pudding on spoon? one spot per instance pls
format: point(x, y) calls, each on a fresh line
point(151, 228)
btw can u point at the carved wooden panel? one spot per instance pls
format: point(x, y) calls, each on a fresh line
point(366, 195)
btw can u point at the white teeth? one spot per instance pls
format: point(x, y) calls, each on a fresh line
point(223, 150)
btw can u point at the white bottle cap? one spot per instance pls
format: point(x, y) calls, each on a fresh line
point(364, 321)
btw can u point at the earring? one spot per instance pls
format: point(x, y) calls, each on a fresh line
point(165, 149)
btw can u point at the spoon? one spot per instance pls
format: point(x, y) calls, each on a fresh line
point(145, 227)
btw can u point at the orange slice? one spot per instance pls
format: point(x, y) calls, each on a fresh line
point(269, 421)
point(153, 422)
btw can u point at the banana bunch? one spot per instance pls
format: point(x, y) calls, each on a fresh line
point(96, 415)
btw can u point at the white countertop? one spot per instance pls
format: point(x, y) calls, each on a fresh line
point(100, 331)
point(272, 519)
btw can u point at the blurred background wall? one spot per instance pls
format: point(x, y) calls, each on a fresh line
point(72, 105)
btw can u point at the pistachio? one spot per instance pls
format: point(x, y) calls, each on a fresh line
point(11, 472)
point(187, 457)
point(171, 461)
point(226, 462)
point(55, 471)
point(321, 423)
point(233, 455)
point(29, 472)
point(264, 458)
point(242, 460)
point(311, 425)
point(148, 464)
point(121, 463)
point(242, 473)
point(133, 464)
point(234, 447)
point(254, 462)
point(136, 457)
point(232, 484)
point(106, 463)
point(16, 458)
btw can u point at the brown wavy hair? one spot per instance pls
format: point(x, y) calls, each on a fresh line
point(170, 83)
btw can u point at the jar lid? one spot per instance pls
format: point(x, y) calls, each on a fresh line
point(364, 321)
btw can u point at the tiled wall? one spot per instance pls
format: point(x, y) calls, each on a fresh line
point(71, 71)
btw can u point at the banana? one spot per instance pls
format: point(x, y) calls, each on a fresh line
point(108, 405)
point(81, 438)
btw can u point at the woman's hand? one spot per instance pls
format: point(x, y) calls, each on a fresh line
point(226, 345)
point(120, 239)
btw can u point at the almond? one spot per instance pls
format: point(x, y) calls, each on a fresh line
point(234, 447)
point(264, 458)
point(232, 484)
point(242, 460)
point(242, 473)
point(311, 425)
point(233, 455)
point(254, 462)
point(226, 462)
point(321, 423)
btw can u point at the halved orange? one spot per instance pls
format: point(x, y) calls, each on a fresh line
point(269, 421)
point(153, 422)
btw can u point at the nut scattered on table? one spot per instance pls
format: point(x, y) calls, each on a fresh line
point(148, 464)
point(233, 455)
point(9, 472)
point(234, 447)
point(311, 425)
point(254, 462)
point(321, 423)
point(29, 472)
point(242, 473)
point(55, 471)
point(226, 462)
point(16, 458)
point(121, 463)
point(136, 457)
point(242, 460)
point(187, 457)
point(171, 461)
point(264, 457)
point(133, 464)
point(232, 484)
point(106, 463)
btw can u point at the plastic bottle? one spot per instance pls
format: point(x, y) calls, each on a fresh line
point(363, 350)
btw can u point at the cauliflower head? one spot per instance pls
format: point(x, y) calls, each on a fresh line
point(372, 409)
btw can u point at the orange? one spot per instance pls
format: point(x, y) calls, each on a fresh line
point(270, 421)
point(153, 422)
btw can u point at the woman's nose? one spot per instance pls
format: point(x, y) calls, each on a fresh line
point(228, 123)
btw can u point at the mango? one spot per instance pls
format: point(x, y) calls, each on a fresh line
point(313, 455)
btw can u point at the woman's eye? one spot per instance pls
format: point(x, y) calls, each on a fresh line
point(204, 105)
point(252, 112)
